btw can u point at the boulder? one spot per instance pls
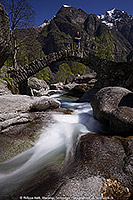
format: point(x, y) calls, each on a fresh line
point(5, 43)
point(80, 89)
point(114, 105)
point(107, 100)
point(39, 87)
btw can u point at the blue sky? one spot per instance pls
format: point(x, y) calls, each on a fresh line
point(46, 9)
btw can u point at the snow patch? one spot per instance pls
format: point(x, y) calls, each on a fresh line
point(111, 12)
point(108, 24)
point(66, 6)
point(46, 23)
point(43, 24)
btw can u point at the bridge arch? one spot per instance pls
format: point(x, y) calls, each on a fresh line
point(107, 72)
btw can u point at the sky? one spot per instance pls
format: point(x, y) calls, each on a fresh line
point(46, 9)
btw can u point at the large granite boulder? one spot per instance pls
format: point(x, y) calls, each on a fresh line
point(5, 43)
point(113, 105)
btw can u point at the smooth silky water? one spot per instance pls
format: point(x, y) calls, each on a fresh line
point(57, 141)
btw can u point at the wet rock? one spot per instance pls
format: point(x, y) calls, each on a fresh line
point(5, 43)
point(102, 153)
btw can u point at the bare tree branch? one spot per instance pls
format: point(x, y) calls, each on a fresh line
point(21, 15)
point(20, 12)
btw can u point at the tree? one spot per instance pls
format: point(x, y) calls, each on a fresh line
point(105, 47)
point(21, 15)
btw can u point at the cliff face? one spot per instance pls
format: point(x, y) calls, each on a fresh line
point(5, 44)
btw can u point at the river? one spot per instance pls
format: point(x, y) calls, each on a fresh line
point(57, 142)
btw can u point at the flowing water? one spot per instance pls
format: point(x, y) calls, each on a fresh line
point(58, 140)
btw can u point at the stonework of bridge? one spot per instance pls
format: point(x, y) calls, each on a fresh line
point(108, 73)
point(23, 73)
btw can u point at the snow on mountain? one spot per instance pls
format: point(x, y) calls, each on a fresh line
point(111, 17)
point(46, 22)
point(66, 6)
point(43, 24)
point(111, 12)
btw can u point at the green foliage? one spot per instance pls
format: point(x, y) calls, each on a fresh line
point(104, 45)
point(44, 74)
point(63, 73)
point(65, 70)
point(22, 58)
point(124, 59)
point(77, 68)
point(28, 52)
point(9, 62)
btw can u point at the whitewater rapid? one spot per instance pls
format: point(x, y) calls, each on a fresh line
point(57, 140)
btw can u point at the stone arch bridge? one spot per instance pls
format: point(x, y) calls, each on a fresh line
point(108, 73)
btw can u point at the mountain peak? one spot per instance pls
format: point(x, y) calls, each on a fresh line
point(113, 16)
